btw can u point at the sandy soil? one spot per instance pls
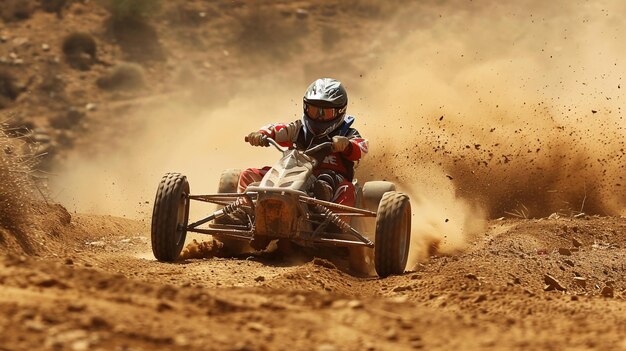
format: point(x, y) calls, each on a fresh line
point(102, 290)
point(485, 112)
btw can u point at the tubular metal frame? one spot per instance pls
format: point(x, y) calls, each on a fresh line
point(246, 233)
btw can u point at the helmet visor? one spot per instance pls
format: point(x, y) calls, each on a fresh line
point(322, 114)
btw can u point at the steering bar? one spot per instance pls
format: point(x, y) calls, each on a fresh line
point(271, 142)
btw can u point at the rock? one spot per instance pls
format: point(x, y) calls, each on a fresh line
point(256, 327)
point(391, 334)
point(402, 288)
point(399, 299)
point(97, 243)
point(20, 41)
point(45, 47)
point(69, 261)
point(607, 291)
point(35, 325)
point(580, 281)
point(339, 304)
point(259, 279)
point(164, 306)
point(480, 298)
point(552, 283)
point(471, 276)
point(302, 13)
point(50, 282)
point(355, 304)
point(91, 107)
point(565, 252)
point(576, 242)
point(569, 263)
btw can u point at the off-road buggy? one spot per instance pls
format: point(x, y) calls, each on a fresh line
point(281, 208)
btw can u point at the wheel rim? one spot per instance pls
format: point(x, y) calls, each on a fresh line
point(181, 218)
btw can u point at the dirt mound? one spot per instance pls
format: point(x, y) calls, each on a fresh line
point(203, 249)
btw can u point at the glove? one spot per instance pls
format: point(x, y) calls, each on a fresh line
point(340, 143)
point(257, 139)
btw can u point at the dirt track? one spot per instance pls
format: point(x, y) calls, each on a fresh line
point(496, 108)
point(102, 290)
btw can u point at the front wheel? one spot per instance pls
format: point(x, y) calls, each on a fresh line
point(393, 234)
point(170, 217)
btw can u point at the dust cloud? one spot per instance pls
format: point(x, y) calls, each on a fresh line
point(477, 109)
point(172, 138)
point(489, 110)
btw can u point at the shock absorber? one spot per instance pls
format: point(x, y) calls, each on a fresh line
point(343, 226)
point(333, 218)
point(232, 208)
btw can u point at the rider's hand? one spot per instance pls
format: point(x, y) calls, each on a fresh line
point(257, 139)
point(340, 143)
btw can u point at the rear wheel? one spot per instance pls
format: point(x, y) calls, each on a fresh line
point(170, 217)
point(229, 181)
point(393, 234)
point(361, 258)
point(373, 192)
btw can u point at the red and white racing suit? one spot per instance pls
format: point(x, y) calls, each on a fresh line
point(338, 167)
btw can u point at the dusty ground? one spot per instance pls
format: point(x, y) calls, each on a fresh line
point(497, 109)
point(102, 290)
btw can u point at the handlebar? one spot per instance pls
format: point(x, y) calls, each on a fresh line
point(317, 152)
point(272, 142)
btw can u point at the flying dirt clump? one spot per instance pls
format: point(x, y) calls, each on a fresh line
point(203, 249)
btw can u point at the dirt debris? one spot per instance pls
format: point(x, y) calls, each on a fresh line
point(511, 146)
point(201, 249)
point(124, 298)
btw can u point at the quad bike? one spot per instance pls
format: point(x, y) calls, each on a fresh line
point(281, 208)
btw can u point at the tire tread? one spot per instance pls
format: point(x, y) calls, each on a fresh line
point(391, 210)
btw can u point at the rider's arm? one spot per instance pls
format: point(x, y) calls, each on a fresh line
point(357, 148)
point(284, 134)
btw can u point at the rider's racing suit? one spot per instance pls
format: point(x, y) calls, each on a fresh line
point(337, 168)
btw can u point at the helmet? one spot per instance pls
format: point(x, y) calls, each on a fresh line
point(325, 103)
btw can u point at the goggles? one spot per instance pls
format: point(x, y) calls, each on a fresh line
point(323, 114)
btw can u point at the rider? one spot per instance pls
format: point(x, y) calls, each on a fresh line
point(324, 119)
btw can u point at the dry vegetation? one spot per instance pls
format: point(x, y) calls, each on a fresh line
point(265, 32)
point(16, 187)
